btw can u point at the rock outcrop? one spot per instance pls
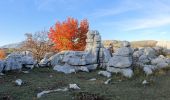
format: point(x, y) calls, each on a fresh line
point(150, 59)
point(95, 55)
point(122, 60)
point(16, 61)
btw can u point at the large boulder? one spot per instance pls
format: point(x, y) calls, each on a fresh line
point(45, 61)
point(120, 62)
point(150, 52)
point(15, 61)
point(124, 51)
point(65, 69)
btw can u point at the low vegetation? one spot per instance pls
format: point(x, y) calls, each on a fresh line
point(120, 88)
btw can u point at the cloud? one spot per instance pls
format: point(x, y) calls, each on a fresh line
point(147, 23)
point(123, 7)
point(144, 14)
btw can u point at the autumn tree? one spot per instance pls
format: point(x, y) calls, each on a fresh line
point(69, 34)
point(38, 44)
point(2, 54)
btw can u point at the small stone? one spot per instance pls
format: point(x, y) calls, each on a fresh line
point(18, 82)
point(74, 86)
point(107, 82)
point(105, 73)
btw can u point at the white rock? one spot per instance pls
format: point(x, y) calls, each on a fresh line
point(162, 65)
point(145, 82)
point(93, 79)
point(120, 62)
point(39, 95)
point(105, 73)
point(67, 69)
point(92, 67)
point(107, 81)
point(150, 52)
point(18, 82)
point(137, 53)
point(82, 68)
point(113, 70)
point(25, 72)
point(127, 72)
point(147, 70)
point(144, 59)
point(124, 51)
point(74, 86)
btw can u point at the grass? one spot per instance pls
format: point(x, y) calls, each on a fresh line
point(120, 88)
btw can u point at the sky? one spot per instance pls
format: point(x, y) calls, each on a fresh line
point(114, 19)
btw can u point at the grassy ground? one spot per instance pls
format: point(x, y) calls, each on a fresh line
point(120, 88)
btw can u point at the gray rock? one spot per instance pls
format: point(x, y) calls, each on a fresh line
point(105, 73)
point(138, 53)
point(1, 65)
point(124, 51)
point(92, 67)
point(127, 72)
point(150, 52)
point(125, 44)
point(144, 59)
point(120, 62)
point(67, 69)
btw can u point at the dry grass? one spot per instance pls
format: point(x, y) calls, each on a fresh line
point(120, 88)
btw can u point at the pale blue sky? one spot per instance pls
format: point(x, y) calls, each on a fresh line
point(114, 19)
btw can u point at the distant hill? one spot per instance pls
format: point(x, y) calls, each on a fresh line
point(13, 45)
point(134, 44)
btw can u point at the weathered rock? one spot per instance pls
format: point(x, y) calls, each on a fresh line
point(124, 51)
point(45, 61)
point(74, 86)
point(137, 54)
point(105, 73)
point(148, 69)
point(127, 72)
point(67, 69)
point(92, 67)
point(150, 52)
point(143, 59)
point(18, 82)
point(1, 65)
point(107, 81)
point(120, 62)
point(126, 44)
point(82, 68)
point(13, 62)
point(162, 65)
point(160, 62)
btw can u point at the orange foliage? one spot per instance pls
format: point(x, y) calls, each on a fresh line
point(69, 35)
point(2, 54)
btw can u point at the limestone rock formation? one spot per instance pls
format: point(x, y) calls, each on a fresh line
point(150, 59)
point(122, 60)
point(94, 55)
point(16, 61)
